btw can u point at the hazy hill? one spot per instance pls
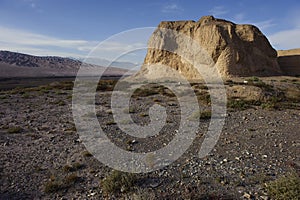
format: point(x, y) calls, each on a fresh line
point(14, 64)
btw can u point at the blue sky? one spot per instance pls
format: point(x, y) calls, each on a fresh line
point(74, 27)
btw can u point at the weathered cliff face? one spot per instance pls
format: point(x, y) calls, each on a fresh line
point(237, 50)
point(289, 61)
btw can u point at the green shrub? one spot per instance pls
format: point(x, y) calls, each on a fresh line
point(106, 85)
point(3, 97)
point(200, 115)
point(111, 122)
point(74, 167)
point(118, 181)
point(203, 97)
point(25, 95)
point(145, 92)
point(269, 105)
point(57, 183)
point(71, 179)
point(253, 79)
point(205, 115)
point(53, 186)
point(286, 187)
point(15, 129)
point(60, 103)
point(238, 104)
point(86, 154)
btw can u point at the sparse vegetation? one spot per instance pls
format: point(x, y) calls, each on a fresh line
point(144, 114)
point(286, 187)
point(106, 85)
point(201, 115)
point(26, 95)
point(205, 115)
point(71, 129)
point(57, 183)
point(132, 110)
point(14, 129)
point(238, 104)
point(111, 122)
point(3, 96)
point(71, 179)
point(259, 178)
point(269, 105)
point(87, 154)
point(118, 181)
point(73, 176)
point(253, 79)
point(72, 168)
point(203, 97)
point(60, 103)
point(145, 92)
point(53, 186)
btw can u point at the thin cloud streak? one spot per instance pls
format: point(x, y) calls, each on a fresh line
point(239, 17)
point(37, 44)
point(218, 11)
point(265, 24)
point(262, 25)
point(20, 37)
point(171, 8)
point(287, 39)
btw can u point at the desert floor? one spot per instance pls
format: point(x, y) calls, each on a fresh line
point(42, 155)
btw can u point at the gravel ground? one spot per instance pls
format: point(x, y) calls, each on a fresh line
point(39, 145)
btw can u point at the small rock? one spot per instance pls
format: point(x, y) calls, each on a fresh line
point(247, 195)
point(264, 197)
point(92, 194)
point(240, 189)
point(264, 156)
point(237, 158)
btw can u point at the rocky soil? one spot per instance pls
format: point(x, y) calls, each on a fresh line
point(42, 156)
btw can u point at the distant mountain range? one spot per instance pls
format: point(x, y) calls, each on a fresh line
point(104, 62)
point(13, 64)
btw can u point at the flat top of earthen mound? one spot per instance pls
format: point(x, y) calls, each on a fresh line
point(289, 52)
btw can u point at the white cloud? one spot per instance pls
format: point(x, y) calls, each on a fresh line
point(172, 8)
point(288, 39)
point(265, 24)
point(239, 17)
point(15, 39)
point(262, 25)
point(218, 11)
point(37, 44)
point(33, 4)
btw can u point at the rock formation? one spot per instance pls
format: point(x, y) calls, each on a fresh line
point(237, 50)
point(289, 61)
